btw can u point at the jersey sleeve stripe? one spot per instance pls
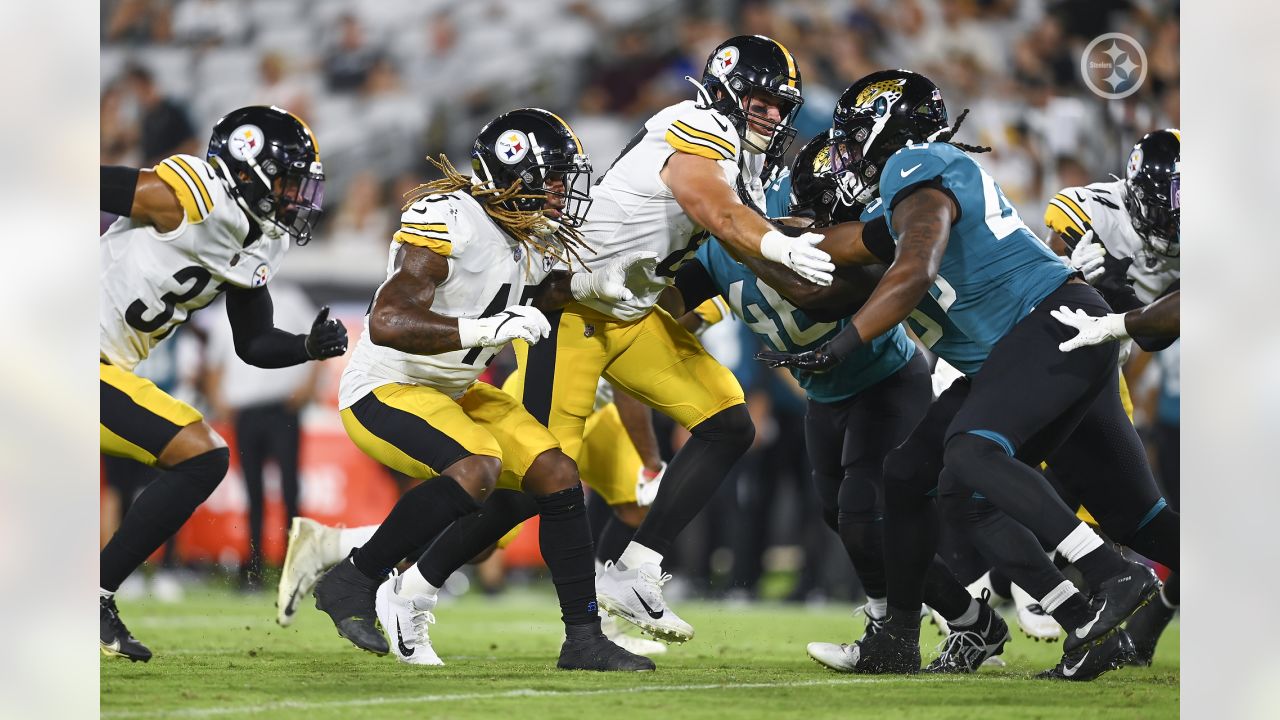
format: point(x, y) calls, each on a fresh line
point(1070, 210)
point(1061, 222)
point(440, 228)
point(1079, 211)
point(704, 135)
point(425, 233)
point(185, 190)
point(700, 150)
point(195, 177)
point(436, 245)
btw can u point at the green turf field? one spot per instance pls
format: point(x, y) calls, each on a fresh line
point(221, 655)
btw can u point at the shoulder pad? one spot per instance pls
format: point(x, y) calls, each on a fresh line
point(704, 132)
point(914, 164)
point(1068, 213)
point(195, 183)
point(433, 222)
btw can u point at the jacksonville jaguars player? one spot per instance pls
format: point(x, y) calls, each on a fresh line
point(954, 241)
point(858, 411)
point(189, 230)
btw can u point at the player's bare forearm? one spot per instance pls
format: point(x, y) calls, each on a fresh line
point(401, 316)
point(637, 419)
point(922, 222)
point(554, 292)
point(703, 192)
point(1161, 319)
point(844, 244)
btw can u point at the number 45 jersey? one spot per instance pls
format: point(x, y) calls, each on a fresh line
point(488, 271)
point(152, 282)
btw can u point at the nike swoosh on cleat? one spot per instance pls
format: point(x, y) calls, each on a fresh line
point(1084, 629)
point(655, 615)
point(405, 651)
point(1070, 670)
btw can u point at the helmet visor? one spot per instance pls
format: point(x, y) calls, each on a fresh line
point(301, 202)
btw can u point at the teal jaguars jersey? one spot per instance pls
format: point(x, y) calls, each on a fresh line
point(786, 328)
point(995, 270)
point(930, 323)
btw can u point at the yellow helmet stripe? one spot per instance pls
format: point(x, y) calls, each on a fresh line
point(1177, 133)
point(791, 63)
point(572, 134)
point(314, 142)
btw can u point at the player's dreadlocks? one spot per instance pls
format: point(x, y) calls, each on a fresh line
point(531, 229)
point(945, 135)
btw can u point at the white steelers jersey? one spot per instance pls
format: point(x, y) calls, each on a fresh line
point(633, 210)
point(488, 271)
point(152, 282)
point(1100, 206)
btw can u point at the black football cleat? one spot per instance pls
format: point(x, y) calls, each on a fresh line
point(586, 648)
point(1145, 627)
point(1115, 599)
point(894, 650)
point(1087, 663)
point(115, 640)
point(347, 596)
point(967, 647)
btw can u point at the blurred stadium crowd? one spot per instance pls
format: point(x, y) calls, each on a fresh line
point(384, 84)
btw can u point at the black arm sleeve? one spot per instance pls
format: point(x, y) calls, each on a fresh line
point(258, 341)
point(878, 241)
point(118, 186)
point(1156, 344)
point(695, 285)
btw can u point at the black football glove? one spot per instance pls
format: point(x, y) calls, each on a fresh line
point(328, 338)
point(815, 361)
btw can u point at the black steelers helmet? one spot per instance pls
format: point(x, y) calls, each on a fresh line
point(269, 158)
point(535, 147)
point(1152, 190)
point(873, 119)
point(747, 64)
point(813, 186)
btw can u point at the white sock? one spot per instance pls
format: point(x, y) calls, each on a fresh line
point(413, 584)
point(876, 608)
point(1057, 596)
point(969, 617)
point(1080, 542)
point(111, 593)
point(351, 538)
point(599, 568)
point(636, 555)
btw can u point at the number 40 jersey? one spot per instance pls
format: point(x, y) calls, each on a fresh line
point(152, 282)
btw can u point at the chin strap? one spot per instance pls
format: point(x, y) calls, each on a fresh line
point(269, 227)
point(704, 97)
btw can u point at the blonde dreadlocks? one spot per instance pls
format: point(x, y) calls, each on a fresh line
point(529, 228)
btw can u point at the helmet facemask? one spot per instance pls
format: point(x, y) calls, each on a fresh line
point(559, 189)
point(300, 200)
point(1155, 211)
point(760, 133)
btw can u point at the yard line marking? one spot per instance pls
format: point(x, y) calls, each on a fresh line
point(365, 702)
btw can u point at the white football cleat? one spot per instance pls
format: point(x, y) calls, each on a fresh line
point(630, 643)
point(313, 549)
point(837, 656)
point(1034, 621)
point(405, 621)
point(635, 595)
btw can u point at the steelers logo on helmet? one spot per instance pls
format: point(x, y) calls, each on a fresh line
point(511, 147)
point(1135, 162)
point(725, 61)
point(246, 142)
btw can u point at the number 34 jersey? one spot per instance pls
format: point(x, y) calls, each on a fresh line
point(634, 210)
point(488, 271)
point(152, 282)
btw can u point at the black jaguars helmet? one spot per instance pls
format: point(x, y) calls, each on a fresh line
point(752, 64)
point(873, 119)
point(813, 186)
point(269, 159)
point(1152, 190)
point(541, 152)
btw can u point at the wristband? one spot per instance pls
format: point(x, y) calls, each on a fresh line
point(1113, 324)
point(471, 332)
point(845, 344)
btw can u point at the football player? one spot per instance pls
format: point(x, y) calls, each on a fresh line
point(1125, 236)
point(472, 257)
point(857, 412)
point(956, 246)
point(191, 229)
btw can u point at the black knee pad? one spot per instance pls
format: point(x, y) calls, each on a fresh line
point(563, 501)
point(906, 480)
point(966, 453)
point(204, 472)
point(732, 425)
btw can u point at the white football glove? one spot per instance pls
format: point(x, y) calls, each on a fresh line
point(518, 322)
point(610, 281)
point(647, 487)
point(1087, 257)
point(799, 254)
point(1093, 330)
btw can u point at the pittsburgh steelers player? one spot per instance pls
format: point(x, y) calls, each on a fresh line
point(471, 258)
point(957, 246)
point(1125, 236)
point(189, 230)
